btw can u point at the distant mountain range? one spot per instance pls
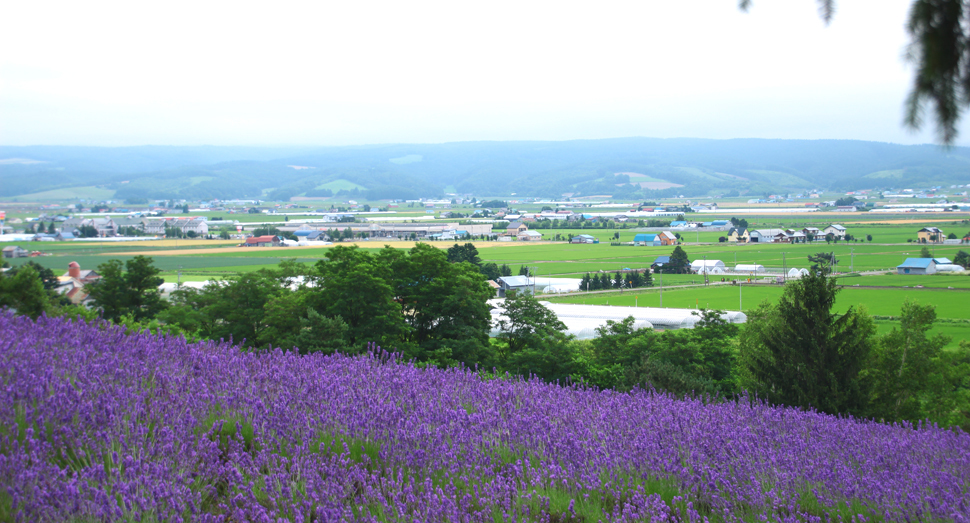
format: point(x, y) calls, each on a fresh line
point(622, 168)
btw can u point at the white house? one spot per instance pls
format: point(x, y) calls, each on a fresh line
point(836, 230)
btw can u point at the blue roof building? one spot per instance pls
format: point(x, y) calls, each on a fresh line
point(647, 239)
point(917, 266)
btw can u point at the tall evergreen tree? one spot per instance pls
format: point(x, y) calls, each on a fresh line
point(800, 353)
point(679, 263)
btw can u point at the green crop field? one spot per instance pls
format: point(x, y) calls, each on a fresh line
point(939, 281)
point(880, 302)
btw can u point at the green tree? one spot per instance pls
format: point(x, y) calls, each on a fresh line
point(823, 261)
point(963, 259)
point(24, 291)
point(908, 372)
point(505, 270)
point(130, 292)
point(464, 253)
point(46, 275)
point(444, 304)
point(352, 284)
point(925, 253)
point(535, 340)
point(679, 263)
point(800, 353)
point(523, 270)
point(40, 227)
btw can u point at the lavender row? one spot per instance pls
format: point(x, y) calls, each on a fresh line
point(98, 424)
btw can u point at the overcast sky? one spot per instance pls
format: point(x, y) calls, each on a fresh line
point(356, 72)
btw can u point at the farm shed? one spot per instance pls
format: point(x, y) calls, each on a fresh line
point(14, 251)
point(797, 273)
point(749, 267)
point(526, 236)
point(647, 240)
point(584, 238)
point(262, 241)
point(767, 236)
point(708, 266)
point(917, 266)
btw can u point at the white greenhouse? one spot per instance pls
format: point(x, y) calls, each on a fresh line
point(708, 266)
point(749, 267)
point(583, 320)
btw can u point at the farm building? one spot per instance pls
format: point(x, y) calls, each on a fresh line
point(514, 283)
point(749, 267)
point(263, 241)
point(583, 320)
point(930, 235)
point(708, 266)
point(797, 273)
point(584, 238)
point(647, 240)
point(796, 236)
point(667, 238)
point(71, 284)
point(527, 236)
point(768, 236)
point(917, 266)
point(678, 223)
point(14, 251)
point(516, 228)
point(660, 262)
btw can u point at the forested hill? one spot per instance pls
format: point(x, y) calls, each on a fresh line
point(647, 167)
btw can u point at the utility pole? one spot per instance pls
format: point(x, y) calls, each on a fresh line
point(179, 284)
point(740, 299)
point(784, 268)
point(661, 287)
point(851, 259)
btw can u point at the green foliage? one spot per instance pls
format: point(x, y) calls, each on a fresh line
point(464, 253)
point(679, 263)
point(823, 261)
point(963, 259)
point(353, 284)
point(912, 378)
point(24, 291)
point(133, 291)
point(683, 362)
point(443, 304)
point(799, 353)
point(534, 340)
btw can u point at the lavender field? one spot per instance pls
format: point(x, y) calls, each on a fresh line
point(97, 425)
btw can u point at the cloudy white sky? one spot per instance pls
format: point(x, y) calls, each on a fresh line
point(337, 73)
